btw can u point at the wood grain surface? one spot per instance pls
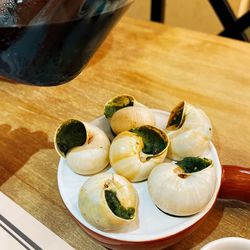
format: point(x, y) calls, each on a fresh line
point(160, 66)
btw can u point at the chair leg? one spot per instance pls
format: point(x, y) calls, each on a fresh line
point(158, 10)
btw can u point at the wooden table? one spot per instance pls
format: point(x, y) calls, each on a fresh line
point(160, 66)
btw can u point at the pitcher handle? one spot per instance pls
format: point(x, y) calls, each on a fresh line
point(235, 183)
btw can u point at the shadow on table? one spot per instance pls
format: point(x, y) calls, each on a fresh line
point(17, 146)
point(210, 224)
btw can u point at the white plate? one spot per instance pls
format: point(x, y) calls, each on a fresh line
point(153, 223)
point(228, 243)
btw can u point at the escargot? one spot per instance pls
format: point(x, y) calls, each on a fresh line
point(84, 146)
point(183, 188)
point(134, 153)
point(189, 130)
point(109, 202)
point(125, 113)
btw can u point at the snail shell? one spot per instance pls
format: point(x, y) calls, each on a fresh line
point(180, 191)
point(108, 202)
point(189, 130)
point(84, 146)
point(133, 154)
point(125, 113)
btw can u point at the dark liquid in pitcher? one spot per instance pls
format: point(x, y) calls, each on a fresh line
point(51, 54)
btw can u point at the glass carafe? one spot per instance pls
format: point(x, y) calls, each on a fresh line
point(48, 42)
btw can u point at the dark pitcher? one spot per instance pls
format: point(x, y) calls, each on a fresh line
point(48, 42)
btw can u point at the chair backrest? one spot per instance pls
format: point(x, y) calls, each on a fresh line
point(233, 27)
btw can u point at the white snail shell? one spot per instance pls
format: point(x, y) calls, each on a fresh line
point(125, 113)
point(178, 193)
point(94, 207)
point(192, 135)
point(128, 159)
point(88, 157)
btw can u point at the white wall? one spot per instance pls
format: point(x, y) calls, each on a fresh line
point(140, 9)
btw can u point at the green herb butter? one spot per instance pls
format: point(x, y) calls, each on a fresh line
point(116, 207)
